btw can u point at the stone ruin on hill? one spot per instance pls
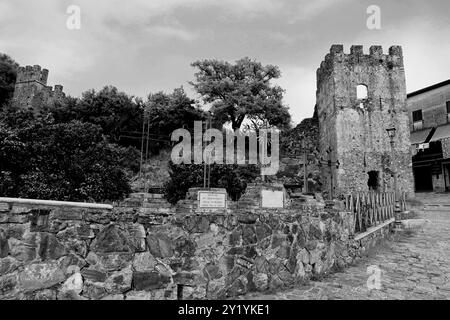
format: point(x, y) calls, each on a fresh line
point(31, 90)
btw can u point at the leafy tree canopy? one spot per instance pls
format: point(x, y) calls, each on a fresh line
point(8, 74)
point(168, 112)
point(117, 113)
point(240, 91)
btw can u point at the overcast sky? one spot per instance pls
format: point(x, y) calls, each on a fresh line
point(144, 46)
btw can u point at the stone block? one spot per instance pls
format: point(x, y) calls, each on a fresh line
point(146, 281)
point(119, 281)
point(40, 276)
point(62, 213)
point(71, 263)
point(194, 278)
point(94, 290)
point(212, 271)
point(4, 207)
point(144, 261)
point(8, 286)
point(74, 283)
point(46, 294)
point(160, 245)
point(49, 248)
point(261, 281)
point(24, 250)
point(93, 275)
point(137, 236)
point(139, 295)
point(109, 261)
point(4, 247)
point(111, 239)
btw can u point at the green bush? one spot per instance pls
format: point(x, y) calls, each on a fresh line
point(233, 178)
point(66, 161)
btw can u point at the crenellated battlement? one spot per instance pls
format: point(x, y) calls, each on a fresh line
point(32, 73)
point(31, 87)
point(356, 56)
point(55, 92)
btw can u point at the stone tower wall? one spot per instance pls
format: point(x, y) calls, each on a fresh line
point(355, 129)
point(31, 88)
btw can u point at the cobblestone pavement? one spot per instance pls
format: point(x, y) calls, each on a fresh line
point(415, 266)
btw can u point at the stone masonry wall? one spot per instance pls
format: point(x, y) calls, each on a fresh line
point(145, 250)
point(355, 128)
point(31, 90)
point(294, 143)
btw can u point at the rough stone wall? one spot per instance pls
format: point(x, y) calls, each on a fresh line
point(293, 144)
point(355, 129)
point(438, 182)
point(445, 148)
point(31, 90)
point(142, 250)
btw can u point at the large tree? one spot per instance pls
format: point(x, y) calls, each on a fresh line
point(8, 74)
point(168, 112)
point(116, 112)
point(241, 91)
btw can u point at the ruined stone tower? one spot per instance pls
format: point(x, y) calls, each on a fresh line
point(359, 96)
point(31, 88)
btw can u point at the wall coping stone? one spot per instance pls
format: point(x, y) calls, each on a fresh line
point(373, 229)
point(56, 203)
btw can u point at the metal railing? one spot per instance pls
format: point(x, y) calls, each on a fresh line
point(372, 208)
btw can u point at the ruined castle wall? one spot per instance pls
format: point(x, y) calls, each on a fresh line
point(355, 129)
point(327, 127)
point(294, 143)
point(148, 250)
point(31, 90)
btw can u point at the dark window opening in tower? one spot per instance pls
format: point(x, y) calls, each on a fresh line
point(373, 181)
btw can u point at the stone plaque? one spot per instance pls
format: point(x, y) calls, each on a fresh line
point(212, 199)
point(272, 199)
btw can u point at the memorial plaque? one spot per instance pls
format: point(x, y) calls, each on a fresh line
point(212, 199)
point(272, 199)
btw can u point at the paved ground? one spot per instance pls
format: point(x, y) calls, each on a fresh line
point(416, 266)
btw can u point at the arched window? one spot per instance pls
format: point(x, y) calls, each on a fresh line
point(361, 92)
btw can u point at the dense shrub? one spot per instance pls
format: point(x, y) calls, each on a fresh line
point(233, 178)
point(66, 161)
point(8, 74)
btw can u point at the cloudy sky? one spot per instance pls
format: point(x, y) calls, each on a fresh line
point(144, 46)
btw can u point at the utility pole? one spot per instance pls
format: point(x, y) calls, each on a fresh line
point(330, 163)
point(204, 158)
point(142, 144)
point(305, 170)
point(391, 133)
